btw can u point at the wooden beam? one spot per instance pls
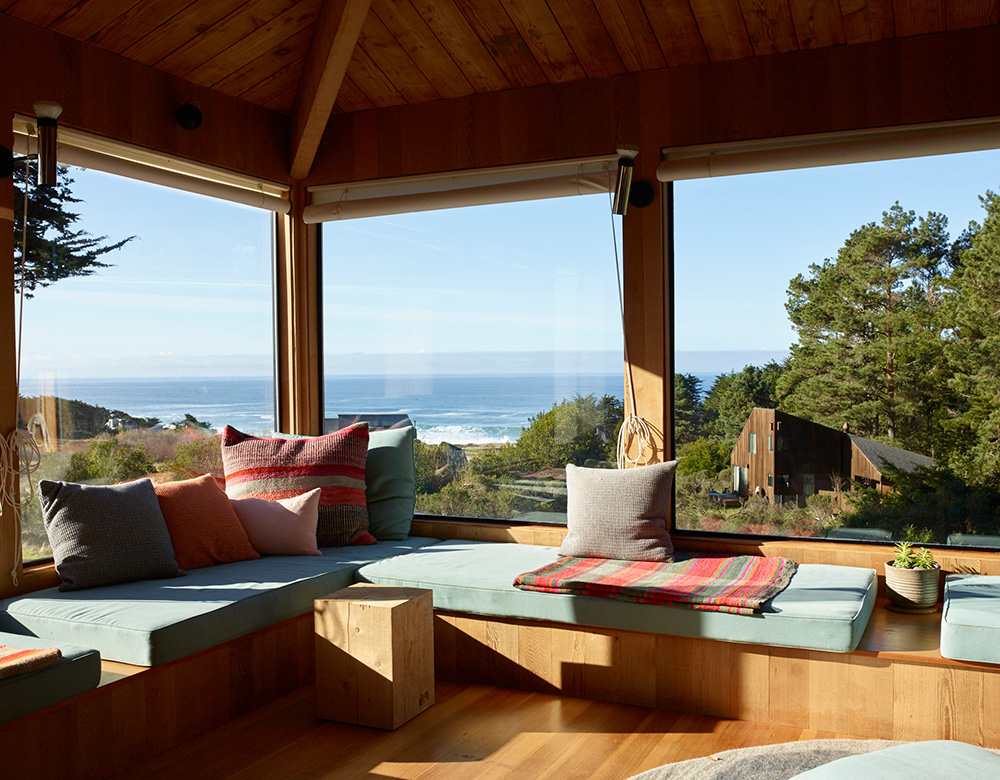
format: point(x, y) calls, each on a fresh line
point(298, 322)
point(336, 35)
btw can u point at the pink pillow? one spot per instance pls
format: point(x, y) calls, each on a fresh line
point(283, 527)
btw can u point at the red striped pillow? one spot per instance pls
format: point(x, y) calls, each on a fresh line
point(283, 468)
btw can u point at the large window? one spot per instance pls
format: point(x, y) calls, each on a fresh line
point(133, 358)
point(848, 314)
point(495, 330)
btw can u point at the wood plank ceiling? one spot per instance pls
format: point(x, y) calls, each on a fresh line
point(413, 51)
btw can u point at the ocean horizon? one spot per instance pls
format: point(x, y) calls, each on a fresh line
point(459, 409)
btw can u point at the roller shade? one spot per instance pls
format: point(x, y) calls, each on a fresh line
point(85, 151)
point(466, 188)
point(827, 149)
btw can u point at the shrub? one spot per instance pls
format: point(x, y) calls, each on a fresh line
point(202, 455)
point(109, 461)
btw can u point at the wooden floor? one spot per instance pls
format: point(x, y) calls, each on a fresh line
point(474, 731)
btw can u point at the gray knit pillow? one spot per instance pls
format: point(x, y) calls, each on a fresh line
point(106, 534)
point(619, 513)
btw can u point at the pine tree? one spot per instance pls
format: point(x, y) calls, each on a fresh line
point(971, 310)
point(687, 409)
point(868, 338)
point(734, 395)
point(57, 248)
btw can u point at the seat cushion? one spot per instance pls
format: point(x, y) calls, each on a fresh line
point(824, 607)
point(77, 671)
point(970, 621)
point(935, 760)
point(154, 622)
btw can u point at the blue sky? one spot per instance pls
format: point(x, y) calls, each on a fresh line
point(191, 295)
point(740, 239)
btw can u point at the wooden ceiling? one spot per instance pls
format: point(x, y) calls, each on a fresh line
point(310, 58)
point(413, 51)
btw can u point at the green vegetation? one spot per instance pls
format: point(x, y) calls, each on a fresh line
point(105, 457)
point(906, 556)
point(107, 462)
point(527, 476)
point(897, 336)
point(56, 248)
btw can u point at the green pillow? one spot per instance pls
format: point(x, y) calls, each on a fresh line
point(390, 483)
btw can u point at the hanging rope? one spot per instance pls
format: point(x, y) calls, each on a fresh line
point(634, 428)
point(19, 453)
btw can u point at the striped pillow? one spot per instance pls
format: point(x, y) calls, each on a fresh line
point(282, 468)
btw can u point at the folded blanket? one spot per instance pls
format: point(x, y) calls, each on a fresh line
point(739, 584)
point(14, 660)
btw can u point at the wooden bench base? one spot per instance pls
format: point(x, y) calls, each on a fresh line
point(137, 712)
point(895, 686)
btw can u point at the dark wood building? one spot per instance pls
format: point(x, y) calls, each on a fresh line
point(787, 458)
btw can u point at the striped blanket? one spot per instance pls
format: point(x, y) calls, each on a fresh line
point(14, 660)
point(738, 584)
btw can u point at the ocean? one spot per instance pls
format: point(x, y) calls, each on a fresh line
point(468, 409)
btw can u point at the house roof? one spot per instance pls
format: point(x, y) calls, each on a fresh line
point(394, 52)
point(882, 456)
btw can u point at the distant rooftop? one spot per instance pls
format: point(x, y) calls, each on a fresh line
point(883, 455)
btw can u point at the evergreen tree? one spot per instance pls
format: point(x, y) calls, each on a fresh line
point(734, 395)
point(687, 409)
point(867, 331)
point(57, 248)
point(971, 308)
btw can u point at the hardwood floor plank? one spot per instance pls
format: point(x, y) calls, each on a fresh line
point(474, 731)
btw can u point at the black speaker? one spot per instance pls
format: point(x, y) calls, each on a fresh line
point(6, 162)
point(641, 194)
point(189, 116)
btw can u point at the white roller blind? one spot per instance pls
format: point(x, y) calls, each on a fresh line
point(466, 188)
point(827, 149)
point(98, 154)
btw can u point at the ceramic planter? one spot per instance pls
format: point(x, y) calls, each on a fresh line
point(912, 590)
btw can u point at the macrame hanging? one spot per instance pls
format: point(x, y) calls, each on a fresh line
point(19, 453)
point(634, 428)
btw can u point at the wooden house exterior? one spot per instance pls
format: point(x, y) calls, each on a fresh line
point(786, 458)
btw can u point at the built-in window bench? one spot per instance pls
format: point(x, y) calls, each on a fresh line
point(895, 684)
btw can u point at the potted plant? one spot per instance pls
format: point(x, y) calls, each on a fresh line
point(911, 579)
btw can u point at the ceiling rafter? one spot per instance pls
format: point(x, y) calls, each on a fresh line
point(335, 38)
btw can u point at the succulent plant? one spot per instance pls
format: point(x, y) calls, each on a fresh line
point(909, 557)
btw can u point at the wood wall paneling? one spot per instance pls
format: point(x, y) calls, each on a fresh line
point(904, 81)
point(90, 84)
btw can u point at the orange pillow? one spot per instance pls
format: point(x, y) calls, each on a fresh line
point(203, 526)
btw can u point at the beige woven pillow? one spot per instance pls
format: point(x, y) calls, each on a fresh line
point(619, 513)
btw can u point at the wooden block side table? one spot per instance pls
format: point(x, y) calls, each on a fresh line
point(374, 654)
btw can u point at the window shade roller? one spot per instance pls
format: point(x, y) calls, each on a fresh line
point(827, 149)
point(455, 190)
point(247, 192)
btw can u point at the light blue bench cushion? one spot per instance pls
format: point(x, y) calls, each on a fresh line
point(936, 760)
point(824, 607)
point(157, 621)
point(77, 671)
point(970, 622)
